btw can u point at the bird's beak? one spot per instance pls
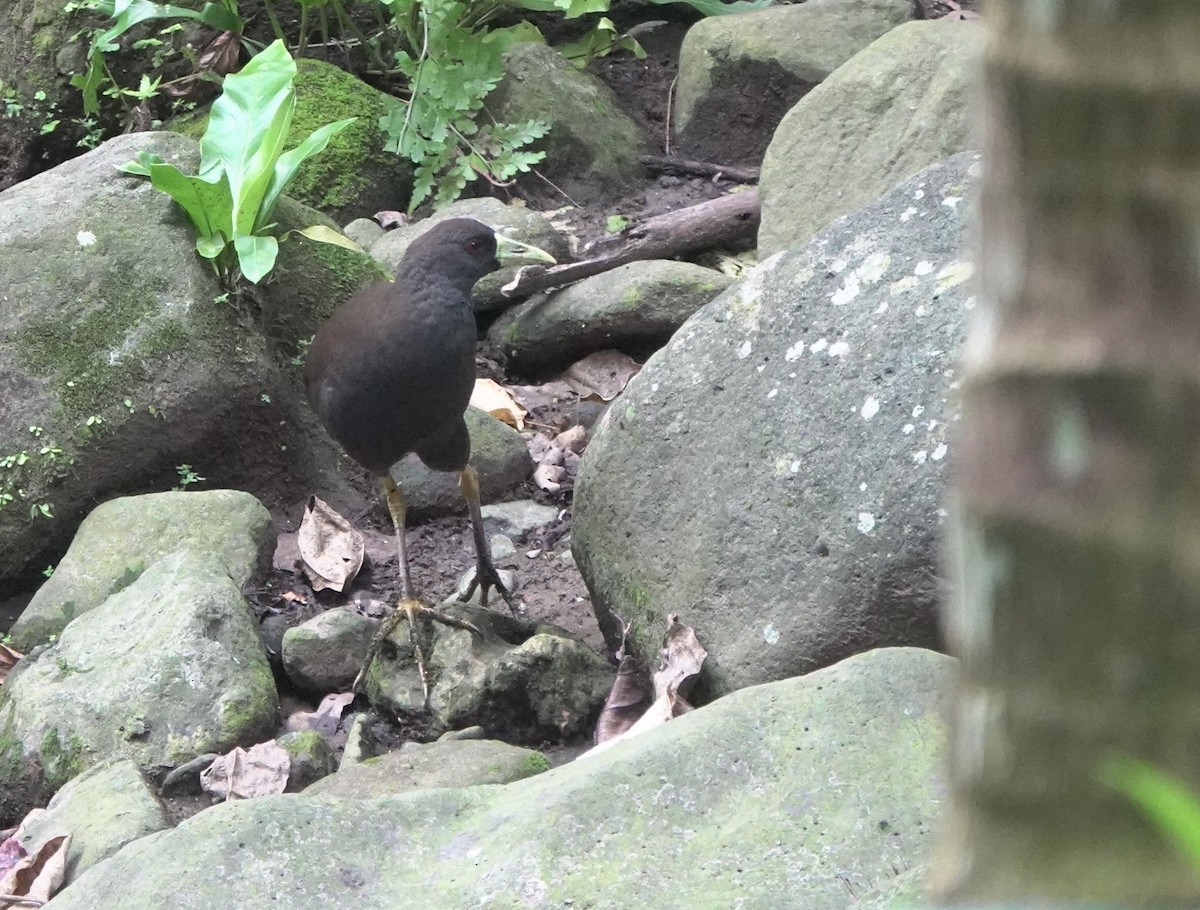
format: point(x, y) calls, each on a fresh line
point(513, 252)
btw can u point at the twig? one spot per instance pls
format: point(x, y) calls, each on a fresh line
point(18, 899)
point(556, 187)
point(667, 119)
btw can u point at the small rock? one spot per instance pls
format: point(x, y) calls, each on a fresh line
point(311, 758)
point(507, 576)
point(520, 516)
point(360, 744)
point(364, 232)
point(502, 547)
point(325, 653)
point(572, 440)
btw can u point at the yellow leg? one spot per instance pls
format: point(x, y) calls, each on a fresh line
point(486, 575)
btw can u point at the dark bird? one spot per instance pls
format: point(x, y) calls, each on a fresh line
point(392, 372)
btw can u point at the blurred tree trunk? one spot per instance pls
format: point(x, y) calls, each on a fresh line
point(1077, 613)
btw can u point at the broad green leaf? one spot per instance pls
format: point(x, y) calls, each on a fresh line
point(571, 9)
point(504, 38)
point(256, 255)
point(1166, 801)
point(285, 167)
point(323, 234)
point(247, 129)
point(205, 201)
point(221, 18)
point(211, 247)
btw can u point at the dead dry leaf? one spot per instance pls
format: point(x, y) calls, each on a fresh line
point(8, 660)
point(681, 658)
point(35, 873)
point(603, 374)
point(488, 395)
point(331, 550)
point(389, 219)
point(629, 697)
point(261, 770)
point(326, 718)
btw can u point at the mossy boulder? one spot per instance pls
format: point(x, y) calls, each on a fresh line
point(354, 176)
point(121, 359)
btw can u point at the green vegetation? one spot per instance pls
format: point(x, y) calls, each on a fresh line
point(243, 169)
point(1166, 801)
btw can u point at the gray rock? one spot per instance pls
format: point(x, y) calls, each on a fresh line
point(312, 758)
point(515, 221)
point(360, 744)
point(498, 454)
point(123, 538)
point(519, 517)
point(364, 232)
point(423, 766)
point(900, 105)
point(799, 794)
point(775, 475)
point(739, 74)
point(119, 352)
point(105, 808)
point(324, 654)
point(634, 308)
point(591, 142)
point(163, 670)
point(520, 680)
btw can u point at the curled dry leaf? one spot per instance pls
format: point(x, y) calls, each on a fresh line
point(488, 395)
point(325, 719)
point(35, 873)
point(550, 477)
point(389, 219)
point(331, 550)
point(261, 770)
point(629, 697)
point(681, 658)
point(8, 660)
point(603, 374)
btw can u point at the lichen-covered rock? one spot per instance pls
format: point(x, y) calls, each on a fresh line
point(775, 475)
point(103, 809)
point(123, 538)
point(423, 766)
point(312, 758)
point(739, 74)
point(633, 308)
point(166, 668)
point(120, 359)
point(324, 654)
point(811, 793)
point(900, 104)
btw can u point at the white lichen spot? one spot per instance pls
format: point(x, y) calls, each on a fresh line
point(918, 410)
point(873, 268)
point(847, 292)
point(907, 429)
point(85, 238)
point(951, 202)
point(654, 387)
point(870, 407)
point(760, 368)
point(920, 457)
point(744, 350)
point(772, 393)
point(919, 194)
point(862, 487)
point(839, 349)
point(838, 266)
point(881, 309)
point(907, 283)
point(866, 522)
point(939, 453)
point(793, 353)
point(969, 303)
point(794, 467)
point(770, 633)
point(920, 310)
point(922, 268)
point(953, 274)
point(908, 213)
point(804, 276)
point(818, 346)
point(931, 425)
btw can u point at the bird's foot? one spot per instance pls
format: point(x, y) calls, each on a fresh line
point(411, 609)
point(486, 578)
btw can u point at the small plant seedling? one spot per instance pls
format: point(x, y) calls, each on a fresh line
point(187, 476)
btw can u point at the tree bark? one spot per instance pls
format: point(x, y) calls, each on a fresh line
point(1077, 611)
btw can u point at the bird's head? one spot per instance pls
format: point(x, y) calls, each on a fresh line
point(466, 249)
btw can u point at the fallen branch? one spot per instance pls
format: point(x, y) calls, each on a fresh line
point(726, 221)
point(691, 168)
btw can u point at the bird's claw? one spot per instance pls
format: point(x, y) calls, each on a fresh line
point(486, 578)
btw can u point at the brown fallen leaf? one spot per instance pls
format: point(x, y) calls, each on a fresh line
point(261, 770)
point(603, 374)
point(8, 660)
point(389, 219)
point(630, 694)
point(488, 395)
point(325, 719)
point(36, 873)
point(331, 550)
point(681, 658)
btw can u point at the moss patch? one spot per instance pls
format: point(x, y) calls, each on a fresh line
point(61, 761)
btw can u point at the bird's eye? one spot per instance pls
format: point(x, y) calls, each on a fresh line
point(473, 246)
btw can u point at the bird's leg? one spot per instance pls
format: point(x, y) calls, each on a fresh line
point(486, 575)
point(410, 606)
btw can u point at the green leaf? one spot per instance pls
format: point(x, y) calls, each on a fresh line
point(323, 234)
point(285, 167)
point(1166, 801)
point(256, 255)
